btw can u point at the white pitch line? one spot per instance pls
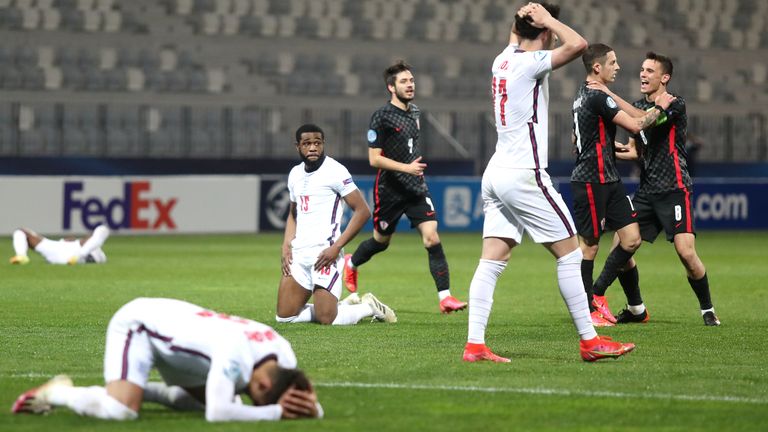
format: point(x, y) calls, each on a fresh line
point(548, 391)
point(515, 390)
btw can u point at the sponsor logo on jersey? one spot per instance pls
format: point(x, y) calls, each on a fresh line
point(133, 210)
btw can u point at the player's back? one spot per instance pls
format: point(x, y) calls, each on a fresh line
point(520, 103)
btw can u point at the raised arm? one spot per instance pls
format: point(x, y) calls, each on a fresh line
point(636, 124)
point(573, 44)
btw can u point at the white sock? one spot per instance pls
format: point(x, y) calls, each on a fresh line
point(703, 311)
point(351, 314)
point(171, 396)
point(443, 294)
point(481, 298)
point(636, 310)
point(306, 315)
point(350, 265)
point(572, 290)
point(91, 401)
point(20, 244)
point(96, 240)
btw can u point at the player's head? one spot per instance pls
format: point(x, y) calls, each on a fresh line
point(600, 62)
point(525, 30)
point(310, 143)
point(655, 73)
point(400, 82)
point(269, 381)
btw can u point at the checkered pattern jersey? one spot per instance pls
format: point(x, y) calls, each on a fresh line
point(595, 132)
point(397, 135)
point(663, 157)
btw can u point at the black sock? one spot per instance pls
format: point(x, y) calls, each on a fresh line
point(616, 260)
point(438, 266)
point(587, 267)
point(366, 250)
point(630, 282)
point(701, 289)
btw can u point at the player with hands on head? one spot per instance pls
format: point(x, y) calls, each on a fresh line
point(518, 194)
point(312, 257)
point(206, 360)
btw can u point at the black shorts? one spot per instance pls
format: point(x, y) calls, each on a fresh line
point(600, 207)
point(388, 208)
point(670, 211)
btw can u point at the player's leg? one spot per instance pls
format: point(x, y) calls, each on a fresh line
point(501, 233)
point(588, 212)
point(697, 275)
point(438, 264)
point(292, 297)
point(90, 244)
point(174, 397)
point(621, 216)
point(23, 239)
point(328, 288)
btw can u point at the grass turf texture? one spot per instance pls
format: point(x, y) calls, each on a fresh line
point(409, 376)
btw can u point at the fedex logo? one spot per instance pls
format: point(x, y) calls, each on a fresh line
point(93, 211)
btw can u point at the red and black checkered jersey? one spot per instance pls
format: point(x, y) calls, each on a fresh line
point(595, 132)
point(662, 150)
point(396, 133)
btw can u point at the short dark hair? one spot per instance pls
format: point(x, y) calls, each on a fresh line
point(595, 53)
point(391, 72)
point(664, 61)
point(526, 30)
point(283, 379)
point(309, 127)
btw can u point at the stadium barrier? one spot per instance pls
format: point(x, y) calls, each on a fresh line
point(251, 203)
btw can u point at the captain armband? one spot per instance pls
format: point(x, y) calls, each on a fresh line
point(662, 118)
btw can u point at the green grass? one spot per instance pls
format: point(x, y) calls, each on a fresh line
point(409, 376)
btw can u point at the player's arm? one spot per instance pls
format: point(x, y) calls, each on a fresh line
point(626, 151)
point(286, 256)
point(220, 404)
point(360, 215)
point(573, 45)
point(649, 118)
point(623, 105)
point(378, 160)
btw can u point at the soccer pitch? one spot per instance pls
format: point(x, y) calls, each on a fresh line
point(409, 376)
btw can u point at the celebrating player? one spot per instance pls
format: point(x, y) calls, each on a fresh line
point(663, 198)
point(65, 251)
point(312, 253)
point(517, 192)
point(394, 148)
point(206, 360)
point(600, 200)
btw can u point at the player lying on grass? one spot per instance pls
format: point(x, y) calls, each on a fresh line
point(313, 254)
point(206, 359)
point(65, 251)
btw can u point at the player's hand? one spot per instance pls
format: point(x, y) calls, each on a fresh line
point(597, 85)
point(417, 167)
point(298, 404)
point(537, 14)
point(327, 257)
point(664, 100)
point(286, 259)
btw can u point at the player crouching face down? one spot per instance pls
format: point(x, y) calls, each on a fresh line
point(312, 256)
point(206, 360)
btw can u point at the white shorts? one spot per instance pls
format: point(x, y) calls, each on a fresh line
point(128, 354)
point(58, 252)
point(524, 200)
point(303, 272)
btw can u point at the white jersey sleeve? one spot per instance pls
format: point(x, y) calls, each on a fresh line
point(520, 102)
